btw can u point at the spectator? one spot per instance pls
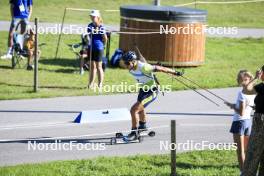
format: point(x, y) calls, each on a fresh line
point(98, 37)
point(84, 53)
point(255, 153)
point(30, 46)
point(20, 12)
point(241, 126)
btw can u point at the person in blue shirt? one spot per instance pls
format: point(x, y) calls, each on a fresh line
point(20, 12)
point(98, 38)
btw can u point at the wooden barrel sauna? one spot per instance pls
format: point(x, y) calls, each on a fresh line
point(182, 45)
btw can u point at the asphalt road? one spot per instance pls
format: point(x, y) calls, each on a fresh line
point(45, 120)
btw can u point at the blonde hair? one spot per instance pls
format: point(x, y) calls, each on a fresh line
point(244, 73)
point(100, 19)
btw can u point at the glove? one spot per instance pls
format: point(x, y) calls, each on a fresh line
point(177, 73)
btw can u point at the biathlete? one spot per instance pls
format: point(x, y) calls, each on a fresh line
point(144, 74)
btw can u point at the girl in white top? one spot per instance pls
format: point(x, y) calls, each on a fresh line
point(241, 126)
point(244, 103)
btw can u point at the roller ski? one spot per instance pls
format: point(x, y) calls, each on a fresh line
point(135, 136)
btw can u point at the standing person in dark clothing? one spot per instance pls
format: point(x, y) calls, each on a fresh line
point(255, 153)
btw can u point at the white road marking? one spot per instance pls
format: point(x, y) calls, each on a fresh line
point(204, 124)
point(39, 125)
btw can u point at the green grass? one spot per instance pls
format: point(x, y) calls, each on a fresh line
point(198, 163)
point(238, 15)
point(60, 77)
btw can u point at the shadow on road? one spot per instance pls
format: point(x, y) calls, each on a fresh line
point(45, 140)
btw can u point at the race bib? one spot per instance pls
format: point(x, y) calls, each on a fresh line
point(22, 7)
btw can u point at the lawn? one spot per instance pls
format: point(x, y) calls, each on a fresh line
point(238, 15)
point(198, 163)
point(60, 77)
